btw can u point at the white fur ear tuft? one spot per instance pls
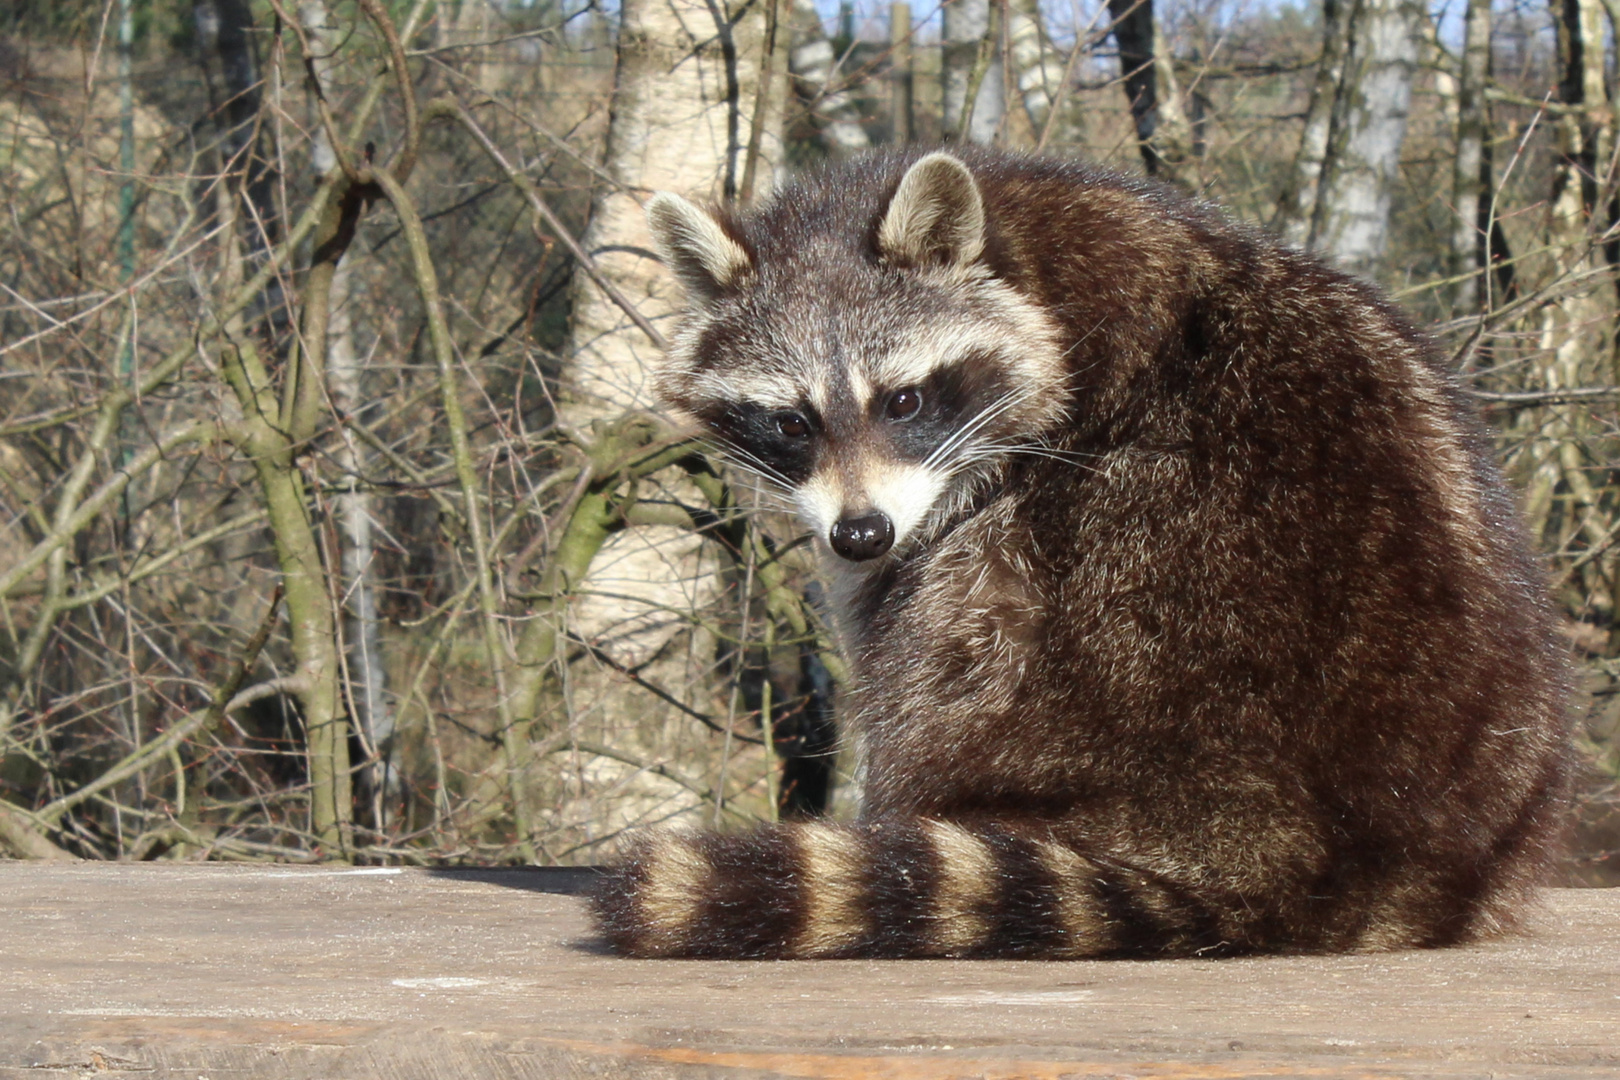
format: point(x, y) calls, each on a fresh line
point(936, 217)
point(702, 255)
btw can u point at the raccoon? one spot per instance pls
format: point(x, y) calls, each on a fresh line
point(1186, 609)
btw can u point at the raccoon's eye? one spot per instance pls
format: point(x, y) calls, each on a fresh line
point(793, 425)
point(903, 404)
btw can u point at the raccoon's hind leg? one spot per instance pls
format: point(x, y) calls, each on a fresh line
point(890, 889)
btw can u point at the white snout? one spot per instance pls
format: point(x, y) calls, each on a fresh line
point(902, 491)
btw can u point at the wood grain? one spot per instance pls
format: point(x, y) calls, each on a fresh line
point(221, 971)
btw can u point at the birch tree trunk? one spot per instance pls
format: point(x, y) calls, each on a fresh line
point(1470, 235)
point(811, 59)
point(682, 109)
point(1038, 71)
point(1296, 211)
point(971, 57)
point(367, 678)
point(1351, 221)
point(1174, 134)
point(1577, 332)
point(686, 91)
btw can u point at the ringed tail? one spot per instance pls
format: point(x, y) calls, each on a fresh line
point(902, 888)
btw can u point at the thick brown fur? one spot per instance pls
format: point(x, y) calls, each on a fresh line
point(1251, 655)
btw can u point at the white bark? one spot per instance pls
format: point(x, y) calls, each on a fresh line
point(672, 129)
point(1163, 133)
point(1577, 331)
point(682, 118)
point(967, 24)
point(1297, 210)
point(1174, 135)
point(812, 61)
point(469, 23)
point(1470, 193)
point(368, 681)
point(1039, 70)
point(1352, 214)
point(323, 37)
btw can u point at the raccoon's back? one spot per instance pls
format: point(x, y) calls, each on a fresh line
point(1286, 620)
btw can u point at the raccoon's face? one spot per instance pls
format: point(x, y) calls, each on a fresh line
point(876, 380)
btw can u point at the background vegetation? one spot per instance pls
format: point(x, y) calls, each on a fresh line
point(330, 522)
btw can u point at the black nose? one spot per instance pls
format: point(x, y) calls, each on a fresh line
point(862, 538)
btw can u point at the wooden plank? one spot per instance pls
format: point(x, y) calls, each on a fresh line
point(287, 972)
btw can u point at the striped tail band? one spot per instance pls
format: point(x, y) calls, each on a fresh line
point(886, 889)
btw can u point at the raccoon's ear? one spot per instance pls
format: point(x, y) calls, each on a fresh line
point(706, 260)
point(936, 217)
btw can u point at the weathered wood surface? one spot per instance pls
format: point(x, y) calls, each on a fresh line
point(220, 971)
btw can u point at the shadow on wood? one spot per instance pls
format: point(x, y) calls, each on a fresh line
point(303, 972)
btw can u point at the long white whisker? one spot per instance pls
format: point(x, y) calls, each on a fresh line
point(772, 499)
point(1037, 447)
point(973, 426)
point(752, 463)
point(966, 431)
point(994, 450)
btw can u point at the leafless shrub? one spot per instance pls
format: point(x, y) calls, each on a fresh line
point(295, 522)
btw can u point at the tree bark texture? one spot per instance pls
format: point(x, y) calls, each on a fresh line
point(679, 122)
point(972, 58)
point(812, 62)
point(900, 73)
point(684, 96)
point(367, 679)
point(1296, 211)
point(1351, 222)
point(1471, 191)
point(1038, 71)
point(1577, 331)
point(1163, 134)
point(309, 605)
